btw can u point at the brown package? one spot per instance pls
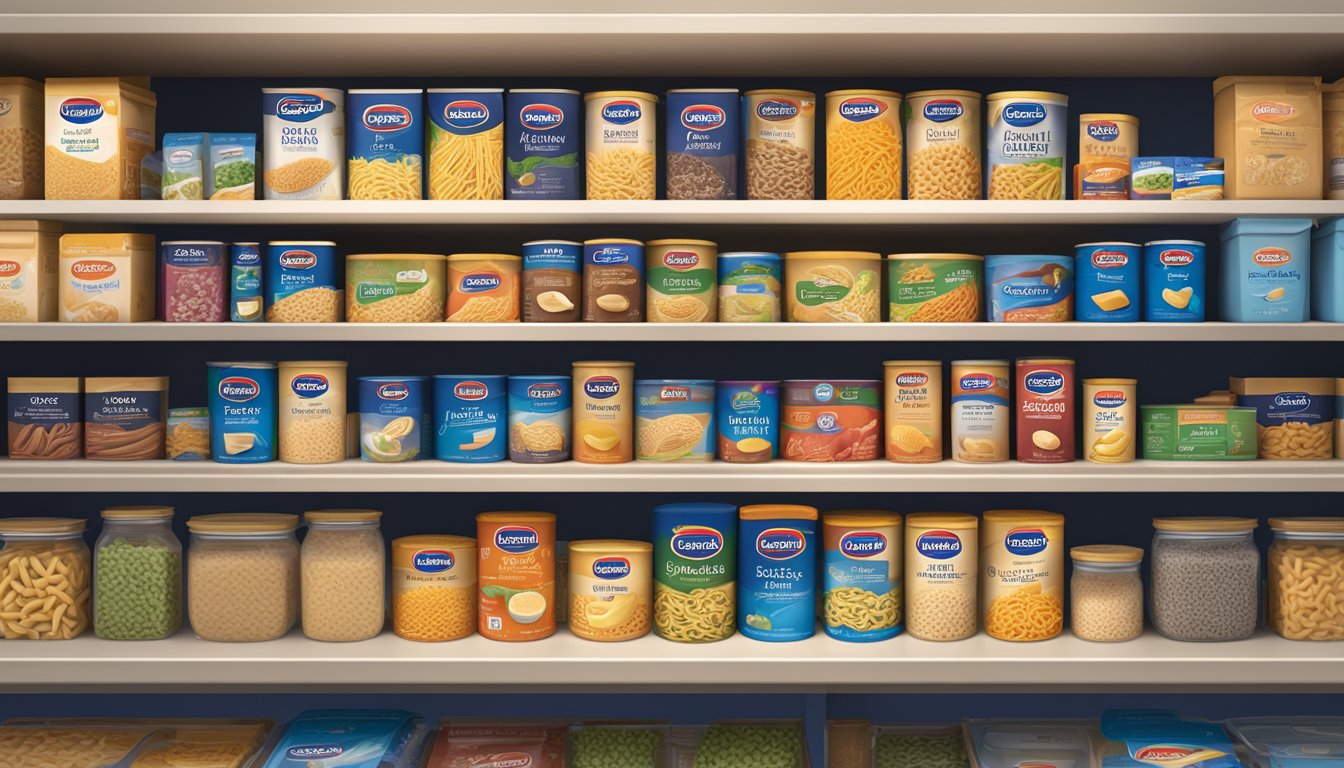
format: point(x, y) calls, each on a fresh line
point(124, 418)
point(44, 419)
point(1268, 131)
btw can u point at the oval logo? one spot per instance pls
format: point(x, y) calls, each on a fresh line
point(1022, 114)
point(92, 269)
point(1271, 257)
point(780, 543)
point(517, 539)
point(1292, 400)
point(943, 110)
point(1272, 111)
point(863, 544)
point(938, 545)
point(681, 260)
point(975, 382)
point(308, 752)
point(1025, 541)
point(912, 379)
point(1103, 130)
point(246, 258)
point(300, 107)
point(775, 110)
point(601, 387)
point(505, 760)
point(393, 391)
point(541, 117)
point(544, 391)
point(9, 268)
point(861, 109)
point(387, 117)
point(696, 542)
point(433, 561)
point(1163, 753)
point(464, 114)
point(238, 389)
point(81, 110)
point(1043, 382)
point(702, 117)
point(471, 390)
point(1176, 258)
point(611, 567)
point(182, 156)
point(310, 385)
point(1109, 259)
point(675, 394)
point(298, 260)
point(609, 256)
point(1109, 398)
point(622, 112)
point(823, 392)
point(746, 401)
point(479, 282)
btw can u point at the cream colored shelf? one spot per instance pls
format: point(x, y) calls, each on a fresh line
point(651, 477)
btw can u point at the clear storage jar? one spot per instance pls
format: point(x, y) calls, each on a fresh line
point(137, 575)
point(1205, 575)
point(46, 593)
point(344, 575)
point(1306, 578)
point(243, 576)
point(1106, 593)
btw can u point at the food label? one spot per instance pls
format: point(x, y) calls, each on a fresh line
point(749, 287)
point(943, 146)
point(980, 411)
point(1029, 289)
point(695, 569)
point(1106, 145)
point(539, 419)
point(621, 162)
point(552, 282)
point(682, 283)
point(542, 143)
point(301, 283)
point(777, 566)
point(934, 290)
point(862, 582)
point(704, 134)
point(1110, 424)
point(674, 420)
point(517, 577)
point(1195, 433)
point(610, 594)
point(1045, 403)
point(613, 276)
point(304, 135)
point(45, 425)
point(1108, 282)
point(392, 423)
point(604, 404)
point(470, 419)
point(748, 420)
point(780, 132)
point(243, 413)
point(1173, 281)
point(125, 425)
point(940, 582)
point(245, 296)
point(1025, 155)
point(914, 412)
point(831, 421)
point(1022, 579)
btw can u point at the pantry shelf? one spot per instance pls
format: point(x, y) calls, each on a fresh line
point(652, 477)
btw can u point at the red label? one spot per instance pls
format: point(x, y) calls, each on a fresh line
point(1271, 257)
point(92, 269)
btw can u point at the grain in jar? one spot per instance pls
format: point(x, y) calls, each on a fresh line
point(137, 575)
point(1106, 593)
point(1306, 578)
point(46, 594)
point(940, 573)
point(781, 127)
point(312, 411)
point(243, 576)
point(343, 575)
point(1205, 577)
point(517, 575)
point(433, 587)
point(610, 589)
point(1022, 571)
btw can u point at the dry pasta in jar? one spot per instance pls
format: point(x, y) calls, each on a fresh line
point(940, 575)
point(622, 130)
point(1106, 593)
point(1306, 578)
point(433, 587)
point(1204, 578)
point(312, 411)
point(45, 595)
point(1022, 567)
point(942, 145)
point(610, 589)
point(343, 575)
point(863, 145)
point(243, 576)
point(781, 127)
point(1025, 157)
point(861, 598)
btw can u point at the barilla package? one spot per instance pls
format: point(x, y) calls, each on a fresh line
point(352, 738)
point(1177, 178)
point(1159, 737)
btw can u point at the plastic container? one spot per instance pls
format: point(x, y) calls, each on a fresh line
point(1327, 271)
point(243, 576)
point(1306, 741)
point(344, 575)
point(1266, 270)
point(137, 575)
point(1306, 578)
point(1106, 593)
point(32, 547)
point(1205, 577)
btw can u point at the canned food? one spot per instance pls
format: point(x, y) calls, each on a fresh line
point(301, 282)
point(517, 575)
point(610, 589)
point(695, 559)
point(483, 287)
point(1022, 574)
point(1045, 410)
point(832, 420)
point(1110, 420)
point(777, 596)
point(940, 575)
point(544, 144)
point(1107, 282)
point(604, 404)
point(861, 600)
point(913, 391)
point(682, 281)
point(704, 132)
point(243, 412)
point(469, 412)
point(781, 128)
point(539, 419)
point(621, 147)
point(748, 420)
point(552, 281)
point(749, 287)
point(393, 423)
point(675, 420)
point(980, 410)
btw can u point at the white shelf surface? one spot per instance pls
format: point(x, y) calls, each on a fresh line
point(566, 662)
point(670, 332)
point(779, 476)
point(366, 213)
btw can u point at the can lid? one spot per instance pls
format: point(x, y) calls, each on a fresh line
point(243, 523)
point(434, 541)
point(943, 92)
point(777, 512)
point(1106, 553)
point(609, 547)
point(386, 90)
point(543, 90)
point(1110, 382)
point(855, 518)
point(781, 92)
point(910, 363)
point(979, 362)
point(1023, 516)
point(466, 90)
point(1307, 524)
point(40, 525)
point(1113, 117)
point(682, 241)
point(1174, 242)
point(1049, 96)
point(703, 90)
point(620, 95)
point(695, 508)
point(1045, 360)
point(863, 92)
point(263, 365)
point(952, 520)
point(604, 364)
point(342, 516)
point(480, 256)
point(313, 364)
point(138, 513)
point(1109, 243)
point(515, 517)
point(302, 242)
point(1205, 524)
point(857, 255)
point(943, 256)
point(192, 242)
point(552, 242)
point(613, 241)
point(394, 256)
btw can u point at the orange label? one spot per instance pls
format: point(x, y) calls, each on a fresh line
point(1271, 257)
point(9, 268)
point(483, 290)
point(516, 573)
point(92, 269)
point(1273, 111)
point(914, 411)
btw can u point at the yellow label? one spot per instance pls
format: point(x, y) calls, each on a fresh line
point(1110, 427)
point(914, 411)
point(1022, 575)
point(604, 403)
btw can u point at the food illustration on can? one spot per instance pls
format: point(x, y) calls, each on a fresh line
point(831, 420)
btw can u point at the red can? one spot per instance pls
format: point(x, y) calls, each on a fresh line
point(1045, 410)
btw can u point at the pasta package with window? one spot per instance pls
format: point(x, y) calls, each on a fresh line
point(704, 132)
point(1026, 145)
point(466, 143)
point(834, 286)
point(304, 136)
point(942, 145)
point(98, 130)
point(1295, 418)
point(484, 288)
point(1022, 574)
point(861, 599)
point(29, 255)
point(622, 153)
point(863, 145)
point(781, 129)
point(1269, 131)
point(20, 139)
point(395, 287)
point(1306, 578)
point(387, 144)
point(934, 287)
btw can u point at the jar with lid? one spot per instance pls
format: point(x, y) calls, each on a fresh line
point(1306, 578)
point(1106, 593)
point(48, 565)
point(1205, 574)
point(243, 576)
point(137, 575)
point(344, 575)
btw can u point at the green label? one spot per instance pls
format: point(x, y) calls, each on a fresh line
point(752, 273)
point(811, 294)
point(672, 282)
point(911, 284)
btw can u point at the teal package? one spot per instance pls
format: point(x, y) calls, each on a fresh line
point(243, 412)
point(245, 302)
point(777, 578)
point(1266, 275)
point(1327, 271)
point(352, 738)
point(1159, 737)
point(469, 416)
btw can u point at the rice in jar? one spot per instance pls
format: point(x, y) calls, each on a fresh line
point(344, 577)
point(243, 576)
point(1106, 593)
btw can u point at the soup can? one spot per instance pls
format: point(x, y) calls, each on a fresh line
point(392, 418)
point(469, 419)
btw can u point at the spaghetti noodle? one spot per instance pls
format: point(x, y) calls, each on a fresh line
point(381, 179)
point(863, 145)
point(466, 144)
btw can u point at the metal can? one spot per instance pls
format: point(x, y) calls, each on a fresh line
point(517, 575)
point(781, 134)
point(837, 420)
point(243, 412)
point(245, 301)
point(539, 419)
point(469, 419)
point(622, 159)
point(1026, 147)
point(861, 593)
point(312, 411)
point(1045, 410)
point(695, 572)
point(303, 132)
point(386, 144)
point(433, 587)
point(191, 281)
point(1107, 282)
point(392, 418)
point(675, 420)
point(749, 287)
point(1028, 289)
point(1022, 574)
point(1110, 423)
point(466, 144)
point(778, 568)
point(543, 144)
point(682, 280)
point(747, 415)
point(552, 281)
point(864, 148)
point(913, 404)
point(940, 575)
point(301, 282)
point(613, 281)
point(704, 133)
point(604, 404)
point(980, 410)
point(1173, 272)
point(610, 589)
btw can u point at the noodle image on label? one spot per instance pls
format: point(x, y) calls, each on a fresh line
point(387, 144)
point(433, 587)
point(777, 567)
point(1025, 155)
point(1022, 583)
point(861, 602)
point(934, 287)
point(834, 286)
point(392, 419)
point(539, 419)
point(304, 136)
point(395, 287)
point(942, 145)
point(832, 420)
point(610, 589)
point(863, 145)
point(1029, 289)
point(695, 572)
point(312, 411)
point(466, 144)
point(979, 414)
point(483, 287)
point(675, 420)
point(780, 132)
point(604, 405)
point(682, 277)
point(749, 287)
point(622, 162)
point(703, 135)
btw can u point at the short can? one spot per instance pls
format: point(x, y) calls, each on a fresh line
point(835, 420)
point(622, 158)
point(395, 287)
point(1173, 276)
point(188, 435)
point(1026, 145)
point(483, 287)
point(304, 138)
point(192, 281)
point(243, 412)
point(469, 419)
point(1045, 410)
point(245, 274)
point(604, 411)
point(1266, 270)
point(1107, 144)
point(749, 287)
point(1022, 574)
point(517, 575)
point(861, 581)
point(682, 277)
point(386, 144)
point(980, 416)
point(934, 287)
point(312, 411)
point(543, 142)
point(552, 281)
point(301, 282)
point(1028, 289)
point(466, 144)
point(704, 134)
point(834, 286)
point(1107, 282)
point(747, 419)
point(777, 565)
point(695, 572)
point(864, 148)
point(613, 281)
point(941, 549)
point(392, 418)
point(913, 407)
point(610, 589)
point(942, 145)
point(1110, 420)
point(433, 587)
point(674, 420)
point(780, 148)
point(540, 414)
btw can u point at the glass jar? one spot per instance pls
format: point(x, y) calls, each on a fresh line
point(344, 575)
point(1306, 578)
point(47, 562)
point(137, 575)
point(1106, 593)
point(243, 576)
point(1205, 574)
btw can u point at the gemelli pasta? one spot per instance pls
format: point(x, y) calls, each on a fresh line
point(780, 134)
point(863, 145)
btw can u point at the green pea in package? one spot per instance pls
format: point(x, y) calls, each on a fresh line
point(535, 745)
point(617, 745)
point(233, 164)
point(751, 745)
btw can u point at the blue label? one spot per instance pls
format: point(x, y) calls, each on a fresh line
point(1272, 410)
point(433, 561)
point(823, 393)
point(1022, 114)
point(1043, 382)
point(976, 382)
point(245, 256)
point(601, 387)
point(748, 409)
point(293, 268)
point(542, 140)
point(863, 560)
point(385, 126)
point(296, 107)
point(863, 544)
point(943, 110)
point(466, 113)
point(310, 385)
point(243, 404)
point(707, 125)
point(777, 110)
point(532, 401)
point(1103, 130)
point(479, 282)
point(697, 542)
point(238, 389)
point(1026, 541)
point(777, 587)
point(314, 751)
point(1102, 269)
point(470, 418)
point(938, 545)
point(1028, 287)
point(193, 254)
point(81, 110)
point(1178, 267)
point(621, 112)
point(566, 256)
point(517, 539)
point(861, 109)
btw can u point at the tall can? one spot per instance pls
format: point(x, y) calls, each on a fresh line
point(913, 391)
point(466, 144)
point(552, 281)
point(301, 283)
point(516, 572)
point(543, 144)
point(303, 132)
point(861, 597)
point(1110, 423)
point(469, 416)
point(613, 281)
point(704, 133)
point(192, 275)
point(622, 158)
point(1022, 574)
point(1106, 282)
point(682, 281)
point(747, 415)
point(781, 144)
point(245, 301)
point(243, 412)
point(1173, 275)
point(749, 287)
point(695, 572)
point(778, 566)
point(940, 575)
point(312, 411)
point(1026, 146)
point(540, 413)
point(393, 423)
point(386, 141)
point(980, 415)
point(604, 406)
point(864, 147)
point(1045, 410)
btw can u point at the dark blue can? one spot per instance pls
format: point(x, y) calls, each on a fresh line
point(704, 135)
point(245, 302)
point(543, 138)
